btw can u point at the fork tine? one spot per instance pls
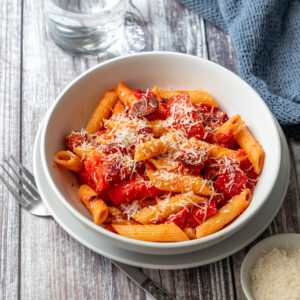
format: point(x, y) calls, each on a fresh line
point(32, 189)
point(15, 193)
point(26, 172)
point(24, 192)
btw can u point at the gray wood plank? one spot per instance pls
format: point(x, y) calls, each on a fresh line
point(10, 66)
point(295, 150)
point(220, 48)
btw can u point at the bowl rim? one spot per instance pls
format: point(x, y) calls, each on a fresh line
point(225, 232)
point(257, 249)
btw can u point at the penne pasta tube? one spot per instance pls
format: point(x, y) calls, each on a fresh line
point(94, 203)
point(161, 110)
point(166, 207)
point(118, 108)
point(111, 124)
point(124, 222)
point(115, 212)
point(228, 128)
point(254, 152)
point(110, 220)
point(152, 233)
point(125, 94)
point(158, 127)
point(173, 182)
point(86, 152)
point(225, 214)
point(102, 111)
point(214, 151)
point(69, 160)
point(195, 96)
point(161, 165)
point(116, 216)
point(190, 232)
point(156, 147)
point(156, 92)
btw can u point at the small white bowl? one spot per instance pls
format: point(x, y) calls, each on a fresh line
point(168, 70)
point(283, 241)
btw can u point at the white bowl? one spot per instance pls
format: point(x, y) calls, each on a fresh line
point(75, 104)
point(285, 240)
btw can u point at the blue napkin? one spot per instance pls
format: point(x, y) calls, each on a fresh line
point(266, 36)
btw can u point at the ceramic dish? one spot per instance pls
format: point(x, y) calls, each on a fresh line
point(168, 70)
point(286, 240)
point(91, 239)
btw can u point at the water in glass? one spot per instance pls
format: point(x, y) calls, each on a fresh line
point(85, 27)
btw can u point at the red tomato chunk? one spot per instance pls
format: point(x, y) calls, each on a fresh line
point(96, 172)
point(231, 180)
point(130, 190)
point(85, 178)
point(105, 169)
point(199, 214)
point(183, 115)
point(74, 140)
point(248, 169)
point(178, 218)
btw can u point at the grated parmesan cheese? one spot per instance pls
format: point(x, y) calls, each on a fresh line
point(276, 275)
point(130, 209)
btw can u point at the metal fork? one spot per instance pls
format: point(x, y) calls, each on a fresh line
point(28, 195)
point(30, 199)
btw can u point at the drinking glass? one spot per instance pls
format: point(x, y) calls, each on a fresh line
point(85, 27)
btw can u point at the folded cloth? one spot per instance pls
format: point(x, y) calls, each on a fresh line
point(266, 37)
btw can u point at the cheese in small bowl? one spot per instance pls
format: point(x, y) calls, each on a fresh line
point(271, 269)
point(276, 275)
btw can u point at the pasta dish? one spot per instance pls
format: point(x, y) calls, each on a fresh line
point(163, 166)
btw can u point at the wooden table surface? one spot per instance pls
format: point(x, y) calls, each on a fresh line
point(38, 259)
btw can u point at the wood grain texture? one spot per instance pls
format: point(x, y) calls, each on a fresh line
point(10, 109)
point(220, 48)
point(295, 151)
point(33, 72)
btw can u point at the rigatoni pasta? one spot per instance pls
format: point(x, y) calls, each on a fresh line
point(69, 160)
point(94, 203)
point(163, 166)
